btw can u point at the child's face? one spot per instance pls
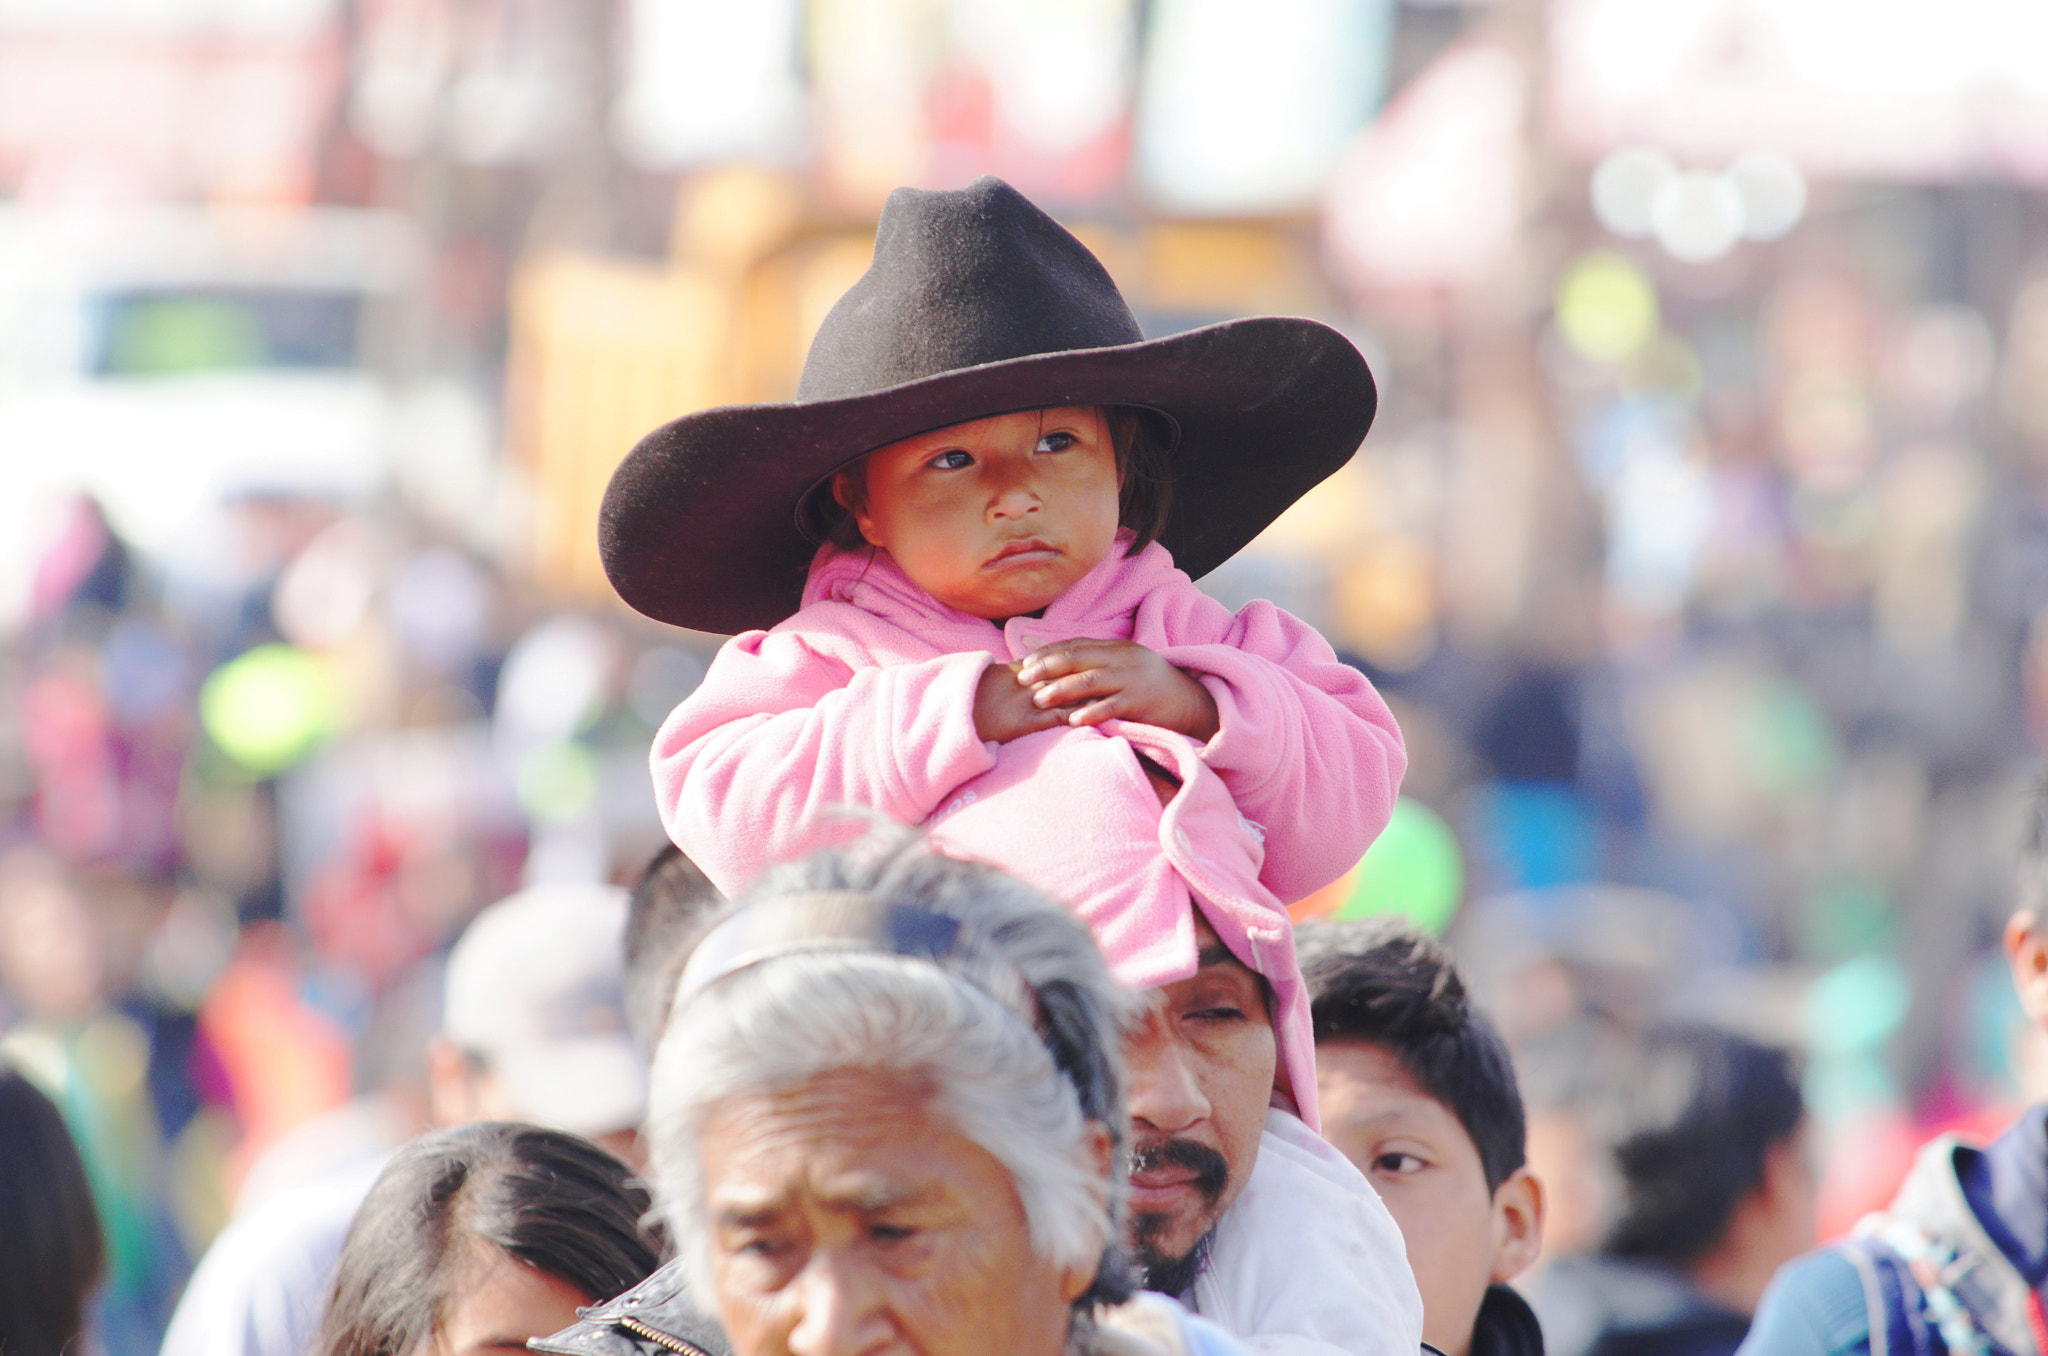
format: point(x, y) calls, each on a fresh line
point(1461, 1238)
point(997, 517)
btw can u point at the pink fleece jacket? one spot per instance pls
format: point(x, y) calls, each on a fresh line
point(866, 697)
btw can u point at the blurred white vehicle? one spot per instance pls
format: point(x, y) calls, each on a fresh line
point(172, 358)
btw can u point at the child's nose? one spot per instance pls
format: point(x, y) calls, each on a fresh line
point(1013, 500)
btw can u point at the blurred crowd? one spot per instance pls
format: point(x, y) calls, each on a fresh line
point(1704, 572)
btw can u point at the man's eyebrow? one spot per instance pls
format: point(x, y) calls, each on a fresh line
point(1218, 954)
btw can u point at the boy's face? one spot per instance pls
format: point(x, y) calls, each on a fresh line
point(1461, 1238)
point(997, 517)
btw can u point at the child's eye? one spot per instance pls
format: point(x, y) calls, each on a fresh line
point(1055, 442)
point(955, 460)
point(890, 1233)
point(1397, 1163)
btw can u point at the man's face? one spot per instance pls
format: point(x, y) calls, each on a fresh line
point(1461, 1237)
point(1201, 1075)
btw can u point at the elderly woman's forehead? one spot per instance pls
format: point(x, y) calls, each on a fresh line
point(853, 1139)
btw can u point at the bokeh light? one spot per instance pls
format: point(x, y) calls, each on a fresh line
point(1606, 307)
point(269, 707)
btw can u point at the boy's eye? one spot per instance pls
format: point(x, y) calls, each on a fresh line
point(1397, 1163)
point(1055, 442)
point(890, 1233)
point(954, 460)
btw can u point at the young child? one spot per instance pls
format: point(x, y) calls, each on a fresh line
point(949, 563)
point(1417, 1089)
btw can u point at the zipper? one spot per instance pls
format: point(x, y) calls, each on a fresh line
point(659, 1338)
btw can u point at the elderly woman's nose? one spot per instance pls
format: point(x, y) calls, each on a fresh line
point(1164, 1092)
point(837, 1309)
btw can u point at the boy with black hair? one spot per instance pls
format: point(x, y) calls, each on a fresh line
point(1418, 1090)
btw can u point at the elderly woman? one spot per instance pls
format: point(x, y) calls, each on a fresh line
point(887, 1115)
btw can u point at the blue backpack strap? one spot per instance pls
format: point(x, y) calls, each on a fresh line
point(1892, 1300)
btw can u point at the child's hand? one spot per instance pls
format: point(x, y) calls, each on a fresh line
point(1003, 708)
point(1086, 682)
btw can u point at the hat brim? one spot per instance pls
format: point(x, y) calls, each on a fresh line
point(699, 523)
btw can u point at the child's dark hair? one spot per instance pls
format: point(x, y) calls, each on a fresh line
point(1142, 440)
point(1381, 982)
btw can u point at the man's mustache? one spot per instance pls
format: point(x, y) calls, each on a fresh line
point(1209, 1167)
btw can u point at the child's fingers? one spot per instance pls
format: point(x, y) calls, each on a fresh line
point(1074, 687)
point(1063, 657)
point(1093, 713)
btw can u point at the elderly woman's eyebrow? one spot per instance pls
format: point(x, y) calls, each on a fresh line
point(857, 1197)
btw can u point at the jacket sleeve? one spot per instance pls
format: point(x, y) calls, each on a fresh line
point(1818, 1305)
point(1308, 749)
point(748, 770)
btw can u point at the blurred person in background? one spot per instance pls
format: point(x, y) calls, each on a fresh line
point(533, 1028)
point(887, 1113)
point(1418, 1090)
point(1958, 1260)
point(1704, 1135)
point(670, 909)
point(59, 955)
point(51, 1251)
point(475, 1238)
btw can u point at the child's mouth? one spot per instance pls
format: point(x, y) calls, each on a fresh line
point(1024, 550)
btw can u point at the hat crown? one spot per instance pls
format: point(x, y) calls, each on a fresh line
point(961, 278)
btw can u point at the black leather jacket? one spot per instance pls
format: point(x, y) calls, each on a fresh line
point(653, 1318)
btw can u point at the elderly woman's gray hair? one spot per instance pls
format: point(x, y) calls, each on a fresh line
point(1022, 1073)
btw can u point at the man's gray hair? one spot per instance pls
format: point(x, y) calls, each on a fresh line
point(1024, 1095)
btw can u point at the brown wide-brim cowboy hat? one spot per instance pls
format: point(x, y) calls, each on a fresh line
point(977, 304)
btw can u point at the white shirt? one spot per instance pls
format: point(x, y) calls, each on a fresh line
point(262, 1288)
point(1307, 1261)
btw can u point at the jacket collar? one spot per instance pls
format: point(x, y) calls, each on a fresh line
point(1506, 1325)
point(872, 581)
point(655, 1316)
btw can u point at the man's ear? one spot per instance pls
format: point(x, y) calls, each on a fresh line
point(2026, 947)
point(1095, 1154)
point(1517, 1224)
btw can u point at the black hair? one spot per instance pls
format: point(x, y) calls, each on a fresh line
point(51, 1250)
point(672, 906)
point(1687, 1114)
point(1382, 982)
point(1142, 439)
point(548, 1199)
